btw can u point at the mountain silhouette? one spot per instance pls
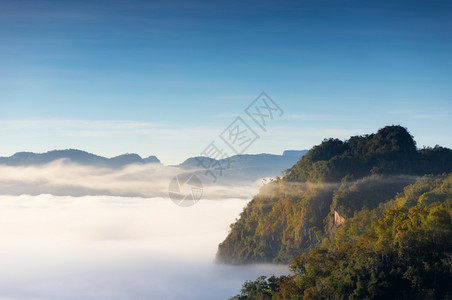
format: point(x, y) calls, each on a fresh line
point(76, 156)
point(247, 166)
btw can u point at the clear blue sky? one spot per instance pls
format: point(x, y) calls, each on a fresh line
point(166, 77)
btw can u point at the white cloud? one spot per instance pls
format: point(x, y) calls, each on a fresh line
point(95, 128)
point(311, 117)
point(431, 116)
point(400, 111)
point(104, 247)
point(65, 178)
point(106, 137)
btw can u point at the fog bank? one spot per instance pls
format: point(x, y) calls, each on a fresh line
point(64, 178)
point(104, 247)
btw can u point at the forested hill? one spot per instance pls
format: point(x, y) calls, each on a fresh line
point(400, 250)
point(392, 150)
point(332, 182)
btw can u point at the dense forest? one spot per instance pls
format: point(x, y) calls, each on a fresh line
point(357, 219)
point(333, 181)
point(402, 249)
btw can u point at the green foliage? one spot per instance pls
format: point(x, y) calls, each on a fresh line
point(334, 159)
point(263, 288)
point(283, 220)
point(399, 250)
point(295, 214)
point(367, 192)
point(391, 150)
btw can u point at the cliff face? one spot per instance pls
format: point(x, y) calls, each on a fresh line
point(338, 219)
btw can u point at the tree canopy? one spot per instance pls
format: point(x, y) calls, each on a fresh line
point(401, 249)
point(294, 214)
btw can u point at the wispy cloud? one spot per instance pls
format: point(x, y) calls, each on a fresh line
point(400, 111)
point(436, 113)
point(311, 117)
point(148, 180)
point(319, 133)
point(231, 116)
point(90, 128)
point(172, 143)
point(428, 116)
point(75, 124)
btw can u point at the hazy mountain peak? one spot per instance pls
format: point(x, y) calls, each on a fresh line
point(75, 155)
point(152, 159)
point(298, 153)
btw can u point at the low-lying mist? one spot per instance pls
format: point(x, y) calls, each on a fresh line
point(64, 178)
point(294, 189)
point(111, 247)
point(72, 231)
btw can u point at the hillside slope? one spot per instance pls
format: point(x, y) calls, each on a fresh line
point(400, 250)
point(335, 179)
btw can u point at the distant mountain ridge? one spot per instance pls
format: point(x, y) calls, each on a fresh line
point(82, 174)
point(77, 156)
point(297, 153)
point(247, 166)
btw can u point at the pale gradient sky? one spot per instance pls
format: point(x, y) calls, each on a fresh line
point(165, 78)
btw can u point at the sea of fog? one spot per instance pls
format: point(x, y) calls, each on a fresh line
point(118, 247)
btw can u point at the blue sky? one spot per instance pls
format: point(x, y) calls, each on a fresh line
point(166, 77)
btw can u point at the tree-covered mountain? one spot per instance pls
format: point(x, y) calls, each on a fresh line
point(328, 185)
point(401, 249)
